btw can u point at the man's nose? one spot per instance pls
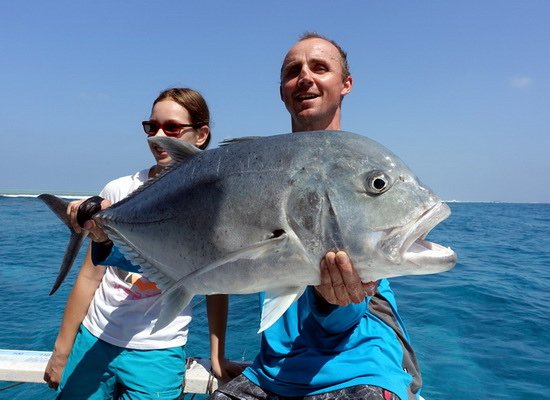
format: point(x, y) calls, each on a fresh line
point(160, 132)
point(305, 77)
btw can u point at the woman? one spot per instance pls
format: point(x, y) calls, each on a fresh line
point(105, 348)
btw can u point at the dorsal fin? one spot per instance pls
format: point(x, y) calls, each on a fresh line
point(229, 141)
point(179, 150)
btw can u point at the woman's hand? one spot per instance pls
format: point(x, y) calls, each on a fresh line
point(94, 232)
point(225, 370)
point(54, 369)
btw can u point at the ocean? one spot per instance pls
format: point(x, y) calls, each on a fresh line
point(481, 330)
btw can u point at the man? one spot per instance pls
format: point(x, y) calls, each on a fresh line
point(334, 342)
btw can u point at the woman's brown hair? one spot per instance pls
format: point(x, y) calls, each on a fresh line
point(195, 105)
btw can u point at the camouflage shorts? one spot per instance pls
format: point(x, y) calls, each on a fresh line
point(241, 388)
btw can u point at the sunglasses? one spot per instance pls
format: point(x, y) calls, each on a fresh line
point(172, 129)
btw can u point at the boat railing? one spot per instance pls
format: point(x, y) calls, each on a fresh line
point(27, 366)
point(20, 366)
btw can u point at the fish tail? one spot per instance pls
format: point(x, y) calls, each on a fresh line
point(59, 207)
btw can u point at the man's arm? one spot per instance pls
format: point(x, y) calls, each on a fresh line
point(81, 296)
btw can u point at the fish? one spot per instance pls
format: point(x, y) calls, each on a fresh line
point(258, 214)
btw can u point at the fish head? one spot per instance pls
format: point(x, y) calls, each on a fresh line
point(380, 213)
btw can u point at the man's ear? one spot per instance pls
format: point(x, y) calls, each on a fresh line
point(348, 83)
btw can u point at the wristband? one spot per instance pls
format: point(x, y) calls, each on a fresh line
point(101, 250)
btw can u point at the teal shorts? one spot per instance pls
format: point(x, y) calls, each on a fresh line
point(99, 370)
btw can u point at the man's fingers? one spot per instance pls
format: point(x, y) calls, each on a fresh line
point(325, 276)
point(338, 283)
point(350, 277)
point(325, 288)
point(370, 288)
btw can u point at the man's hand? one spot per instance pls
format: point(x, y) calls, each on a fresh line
point(95, 233)
point(340, 283)
point(54, 369)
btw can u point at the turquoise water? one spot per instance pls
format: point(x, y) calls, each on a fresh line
point(481, 330)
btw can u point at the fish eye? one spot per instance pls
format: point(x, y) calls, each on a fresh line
point(377, 182)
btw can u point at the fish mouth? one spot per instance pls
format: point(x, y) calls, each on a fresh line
point(161, 152)
point(430, 256)
point(408, 244)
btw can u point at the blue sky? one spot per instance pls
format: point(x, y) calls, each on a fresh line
point(460, 90)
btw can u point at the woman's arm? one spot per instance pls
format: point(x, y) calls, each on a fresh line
point(81, 296)
point(216, 309)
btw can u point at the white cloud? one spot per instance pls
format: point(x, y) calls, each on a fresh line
point(521, 82)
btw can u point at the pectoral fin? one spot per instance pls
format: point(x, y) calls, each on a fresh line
point(254, 251)
point(169, 295)
point(171, 307)
point(275, 304)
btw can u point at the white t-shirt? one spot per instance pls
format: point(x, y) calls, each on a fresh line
point(117, 313)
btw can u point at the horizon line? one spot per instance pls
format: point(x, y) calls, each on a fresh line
point(83, 194)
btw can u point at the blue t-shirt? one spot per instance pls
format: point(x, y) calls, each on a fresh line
point(316, 348)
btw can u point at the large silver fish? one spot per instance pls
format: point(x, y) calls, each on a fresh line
point(258, 214)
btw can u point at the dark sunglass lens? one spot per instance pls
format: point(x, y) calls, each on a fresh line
point(172, 129)
point(150, 128)
point(146, 127)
